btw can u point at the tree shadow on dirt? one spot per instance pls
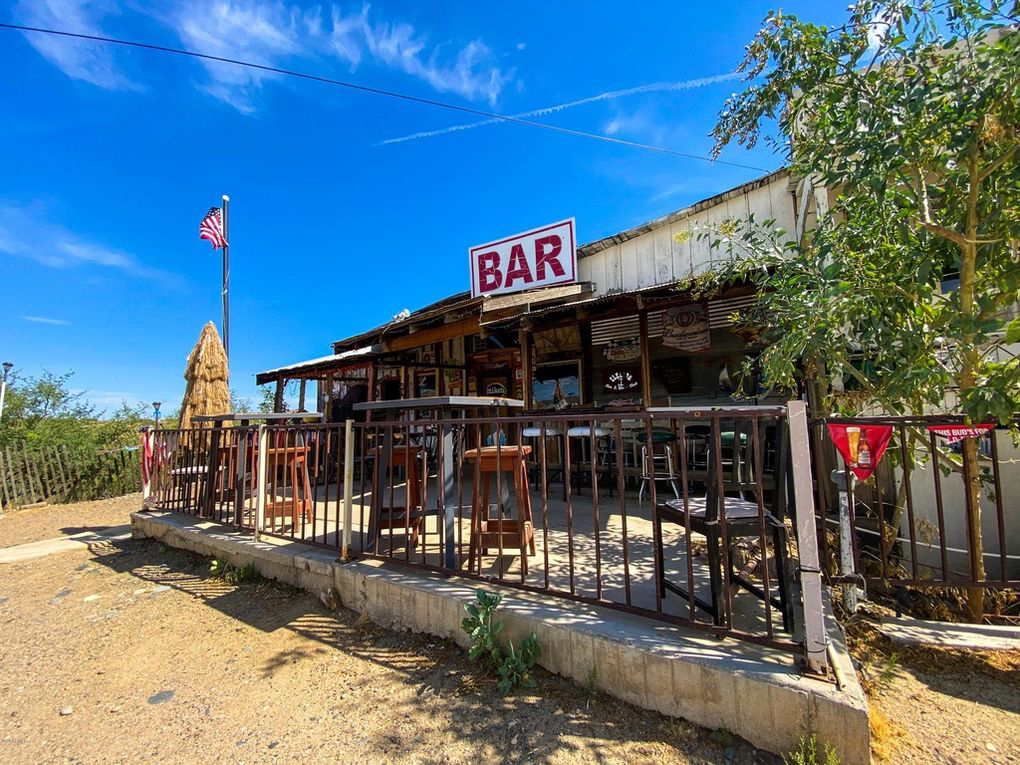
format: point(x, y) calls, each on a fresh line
point(450, 695)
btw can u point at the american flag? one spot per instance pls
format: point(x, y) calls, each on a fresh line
point(212, 228)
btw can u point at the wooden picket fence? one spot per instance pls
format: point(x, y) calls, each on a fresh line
point(63, 474)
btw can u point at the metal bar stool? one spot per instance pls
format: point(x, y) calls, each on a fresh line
point(662, 438)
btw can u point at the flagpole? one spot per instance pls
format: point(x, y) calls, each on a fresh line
point(226, 279)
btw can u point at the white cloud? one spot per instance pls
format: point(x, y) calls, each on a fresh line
point(46, 320)
point(609, 95)
point(26, 233)
point(85, 60)
point(273, 33)
point(521, 46)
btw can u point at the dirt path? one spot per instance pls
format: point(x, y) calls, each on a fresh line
point(36, 523)
point(131, 652)
point(940, 706)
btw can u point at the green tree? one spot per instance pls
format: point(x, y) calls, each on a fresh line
point(46, 411)
point(904, 124)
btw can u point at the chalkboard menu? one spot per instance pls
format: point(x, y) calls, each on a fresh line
point(674, 374)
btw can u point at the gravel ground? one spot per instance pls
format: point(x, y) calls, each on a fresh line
point(939, 706)
point(131, 652)
point(36, 523)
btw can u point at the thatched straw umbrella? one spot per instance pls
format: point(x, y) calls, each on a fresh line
point(208, 390)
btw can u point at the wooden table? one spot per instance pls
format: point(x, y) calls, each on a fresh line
point(443, 409)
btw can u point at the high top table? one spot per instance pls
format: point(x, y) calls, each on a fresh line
point(443, 409)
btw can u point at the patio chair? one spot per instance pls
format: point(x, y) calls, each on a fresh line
point(742, 518)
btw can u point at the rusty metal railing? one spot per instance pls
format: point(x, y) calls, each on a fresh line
point(687, 516)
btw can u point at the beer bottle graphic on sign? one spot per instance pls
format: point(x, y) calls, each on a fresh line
point(864, 451)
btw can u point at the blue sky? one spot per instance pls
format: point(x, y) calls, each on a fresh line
point(111, 157)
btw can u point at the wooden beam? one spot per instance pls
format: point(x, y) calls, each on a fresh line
point(525, 337)
point(301, 395)
point(433, 335)
point(537, 297)
point(646, 366)
point(278, 397)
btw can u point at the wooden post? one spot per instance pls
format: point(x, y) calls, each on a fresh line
point(12, 469)
point(371, 389)
point(5, 496)
point(33, 479)
point(525, 337)
point(646, 365)
point(348, 488)
point(60, 470)
point(327, 396)
point(301, 395)
point(240, 467)
point(807, 538)
point(278, 397)
point(260, 481)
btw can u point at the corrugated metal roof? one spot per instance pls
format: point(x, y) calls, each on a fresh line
point(438, 308)
point(352, 356)
point(601, 244)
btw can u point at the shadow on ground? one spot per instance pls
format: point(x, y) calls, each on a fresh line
point(558, 718)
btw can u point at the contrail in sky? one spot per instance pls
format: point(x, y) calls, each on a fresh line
point(655, 87)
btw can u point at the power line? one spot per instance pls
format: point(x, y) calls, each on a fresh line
point(379, 92)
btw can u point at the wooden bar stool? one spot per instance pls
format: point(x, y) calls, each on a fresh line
point(410, 517)
point(294, 460)
point(508, 533)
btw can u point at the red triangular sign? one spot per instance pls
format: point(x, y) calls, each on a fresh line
point(861, 445)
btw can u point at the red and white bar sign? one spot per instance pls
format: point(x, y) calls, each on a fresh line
point(541, 257)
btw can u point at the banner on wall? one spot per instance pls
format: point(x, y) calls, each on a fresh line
point(953, 434)
point(686, 328)
point(861, 446)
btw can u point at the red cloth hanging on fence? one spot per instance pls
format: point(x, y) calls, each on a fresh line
point(861, 445)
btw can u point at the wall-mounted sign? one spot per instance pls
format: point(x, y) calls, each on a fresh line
point(496, 389)
point(620, 380)
point(686, 328)
point(619, 351)
point(541, 257)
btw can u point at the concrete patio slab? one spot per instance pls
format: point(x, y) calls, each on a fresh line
point(975, 637)
point(750, 690)
point(43, 547)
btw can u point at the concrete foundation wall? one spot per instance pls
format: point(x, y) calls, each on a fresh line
point(679, 672)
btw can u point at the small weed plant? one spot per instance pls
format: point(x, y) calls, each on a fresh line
point(246, 574)
point(806, 753)
point(514, 664)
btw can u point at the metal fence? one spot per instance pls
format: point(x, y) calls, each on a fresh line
point(684, 515)
point(913, 524)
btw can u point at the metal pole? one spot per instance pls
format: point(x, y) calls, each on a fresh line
point(846, 553)
point(226, 277)
point(807, 540)
point(348, 487)
point(3, 385)
point(260, 481)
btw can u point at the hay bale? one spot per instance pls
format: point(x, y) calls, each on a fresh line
point(207, 376)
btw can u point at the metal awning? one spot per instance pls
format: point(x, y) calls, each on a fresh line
point(332, 362)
